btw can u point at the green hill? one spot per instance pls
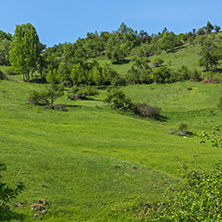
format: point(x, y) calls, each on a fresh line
point(94, 163)
point(96, 160)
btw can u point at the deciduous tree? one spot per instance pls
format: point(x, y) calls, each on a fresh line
point(25, 51)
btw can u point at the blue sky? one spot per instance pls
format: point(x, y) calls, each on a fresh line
point(60, 21)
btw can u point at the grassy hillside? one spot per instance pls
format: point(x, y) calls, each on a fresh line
point(95, 164)
point(187, 55)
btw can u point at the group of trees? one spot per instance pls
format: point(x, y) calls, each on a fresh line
point(140, 72)
point(71, 61)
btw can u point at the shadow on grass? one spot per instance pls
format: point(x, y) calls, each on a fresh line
point(161, 118)
point(124, 61)
point(37, 80)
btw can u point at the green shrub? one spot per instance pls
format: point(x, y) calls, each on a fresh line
point(38, 97)
point(181, 131)
point(146, 110)
point(196, 197)
point(157, 62)
point(46, 97)
point(196, 76)
point(183, 73)
point(82, 92)
point(118, 100)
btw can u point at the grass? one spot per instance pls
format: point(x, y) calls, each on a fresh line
point(96, 164)
point(96, 160)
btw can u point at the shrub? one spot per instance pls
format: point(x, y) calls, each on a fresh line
point(118, 100)
point(47, 96)
point(161, 75)
point(196, 197)
point(157, 62)
point(184, 73)
point(146, 110)
point(181, 131)
point(195, 76)
point(38, 98)
point(82, 92)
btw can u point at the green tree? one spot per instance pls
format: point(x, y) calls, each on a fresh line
point(217, 28)
point(114, 50)
point(4, 52)
point(25, 51)
point(78, 74)
point(96, 75)
point(169, 41)
point(209, 27)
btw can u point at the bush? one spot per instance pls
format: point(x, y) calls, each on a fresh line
point(197, 197)
point(183, 73)
point(196, 76)
point(82, 92)
point(47, 96)
point(181, 131)
point(146, 110)
point(157, 62)
point(38, 98)
point(118, 100)
point(161, 75)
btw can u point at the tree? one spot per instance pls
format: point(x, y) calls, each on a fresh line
point(4, 52)
point(114, 49)
point(217, 28)
point(169, 41)
point(209, 59)
point(25, 51)
point(209, 27)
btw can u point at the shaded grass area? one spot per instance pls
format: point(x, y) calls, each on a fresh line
point(100, 161)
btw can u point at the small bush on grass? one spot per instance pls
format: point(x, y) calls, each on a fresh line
point(82, 92)
point(181, 131)
point(146, 110)
point(118, 100)
point(46, 97)
point(38, 98)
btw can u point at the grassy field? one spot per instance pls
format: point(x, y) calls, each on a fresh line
point(96, 164)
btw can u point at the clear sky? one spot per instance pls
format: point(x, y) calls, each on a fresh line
point(59, 21)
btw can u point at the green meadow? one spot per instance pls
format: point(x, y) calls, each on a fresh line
point(93, 163)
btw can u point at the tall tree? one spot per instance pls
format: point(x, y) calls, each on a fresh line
point(25, 50)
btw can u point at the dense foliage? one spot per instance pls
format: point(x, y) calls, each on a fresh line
point(196, 197)
point(25, 50)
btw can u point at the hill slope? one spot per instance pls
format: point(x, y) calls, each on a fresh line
point(96, 160)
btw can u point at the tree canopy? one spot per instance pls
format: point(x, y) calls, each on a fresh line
point(25, 50)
